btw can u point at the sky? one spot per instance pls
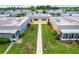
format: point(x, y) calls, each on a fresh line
point(39, 2)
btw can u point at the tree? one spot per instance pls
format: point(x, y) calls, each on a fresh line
point(54, 32)
point(21, 15)
point(44, 11)
point(55, 8)
point(32, 8)
point(48, 7)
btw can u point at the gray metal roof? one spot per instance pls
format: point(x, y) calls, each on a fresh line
point(8, 31)
point(43, 16)
point(69, 30)
point(66, 24)
point(11, 24)
point(9, 27)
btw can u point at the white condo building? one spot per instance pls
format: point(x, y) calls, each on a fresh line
point(13, 27)
point(67, 27)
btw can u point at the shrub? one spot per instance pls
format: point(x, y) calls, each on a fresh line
point(57, 37)
point(69, 42)
point(4, 40)
point(78, 42)
point(54, 32)
point(48, 23)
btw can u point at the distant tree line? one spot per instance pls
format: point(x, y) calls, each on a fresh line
point(12, 8)
point(42, 7)
point(48, 7)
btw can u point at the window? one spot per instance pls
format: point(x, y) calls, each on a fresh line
point(36, 19)
point(65, 36)
point(76, 36)
point(61, 35)
point(71, 35)
point(43, 19)
point(13, 35)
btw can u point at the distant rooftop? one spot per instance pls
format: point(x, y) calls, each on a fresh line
point(66, 20)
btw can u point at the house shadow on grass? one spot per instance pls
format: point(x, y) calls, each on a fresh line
point(4, 41)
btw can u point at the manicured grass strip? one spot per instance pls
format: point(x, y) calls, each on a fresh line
point(29, 41)
point(53, 46)
point(4, 43)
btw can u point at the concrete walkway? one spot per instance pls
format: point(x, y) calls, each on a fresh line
point(39, 40)
point(9, 47)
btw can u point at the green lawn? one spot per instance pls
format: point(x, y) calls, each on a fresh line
point(53, 46)
point(4, 43)
point(29, 41)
